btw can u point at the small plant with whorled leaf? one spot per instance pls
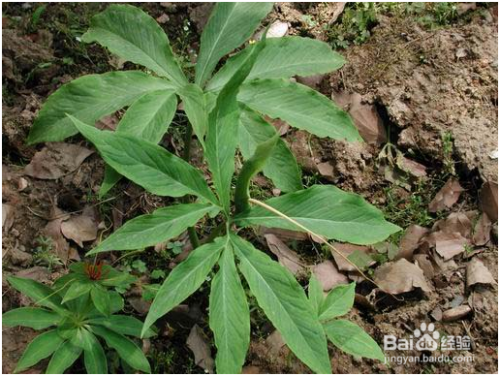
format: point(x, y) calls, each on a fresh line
point(226, 111)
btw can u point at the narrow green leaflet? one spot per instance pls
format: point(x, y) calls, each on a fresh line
point(40, 348)
point(82, 338)
point(338, 302)
point(353, 340)
point(283, 58)
point(100, 299)
point(39, 293)
point(229, 316)
point(185, 279)
point(229, 26)
point(300, 106)
point(222, 132)
point(285, 304)
point(77, 289)
point(127, 349)
point(89, 98)
point(36, 318)
point(150, 229)
point(195, 107)
point(133, 35)
point(315, 294)
point(250, 168)
point(65, 355)
point(147, 164)
point(95, 358)
point(281, 167)
point(327, 211)
point(126, 325)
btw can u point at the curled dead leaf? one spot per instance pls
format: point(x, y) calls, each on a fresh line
point(80, 228)
point(410, 241)
point(488, 199)
point(286, 257)
point(447, 196)
point(198, 344)
point(328, 275)
point(478, 273)
point(482, 230)
point(400, 277)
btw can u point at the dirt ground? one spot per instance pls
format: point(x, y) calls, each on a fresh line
point(426, 102)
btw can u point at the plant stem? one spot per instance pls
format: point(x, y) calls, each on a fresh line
point(186, 155)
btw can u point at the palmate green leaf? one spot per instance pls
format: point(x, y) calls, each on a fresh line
point(195, 107)
point(65, 355)
point(229, 316)
point(89, 98)
point(353, 340)
point(133, 35)
point(100, 299)
point(285, 304)
point(126, 325)
point(283, 58)
point(315, 294)
point(327, 211)
point(77, 289)
point(40, 348)
point(185, 279)
point(95, 358)
point(35, 318)
point(222, 132)
point(150, 229)
point(128, 350)
point(147, 164)
point(147, 118)
point(281, 167)
point(229, 26)
point(40, 294)
point(338, 302)
point(250, 168)
point(300, 106)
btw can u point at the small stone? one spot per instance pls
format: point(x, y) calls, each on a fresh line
point(456, 313)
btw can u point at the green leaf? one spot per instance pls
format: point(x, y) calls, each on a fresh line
point(353, 340)
point(95, 358)
point(89, 98)
point(148, 165)
point(100, 300)
point(134, 36)
point(77, 289)
point(281, 167)
point(150, 229)
point(250, 168)
point(127, 349)
point(195, 107)
point(300, 106)
point(283, 58)
point(327, 211)
point(40, 348)
point(229, 26)
point(65, 355)
point(222, 132)
point(229, 316)
point(82, 338)
point(285, 304)
point(39, 293)
point(126, 325)
point(338, 302)
point(185, 279)
point(315, 294)
point(36, 318)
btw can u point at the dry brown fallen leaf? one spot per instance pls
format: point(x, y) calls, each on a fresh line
point(482, 230)
point(198, 344)
point(328, 275)
point(56, 160)
point(400, 277)
point(455, 223)
point(448, 245)
point(60, 245)
point(424, 263)
point(411, 241)
point(447, 196)
point(334, 10)
point(411, 167)
point(284, 235)
point(80, 228)
point(488, 200)
point(7, 217)
point(477, 272)
point(347, 249)
point(286, 257)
